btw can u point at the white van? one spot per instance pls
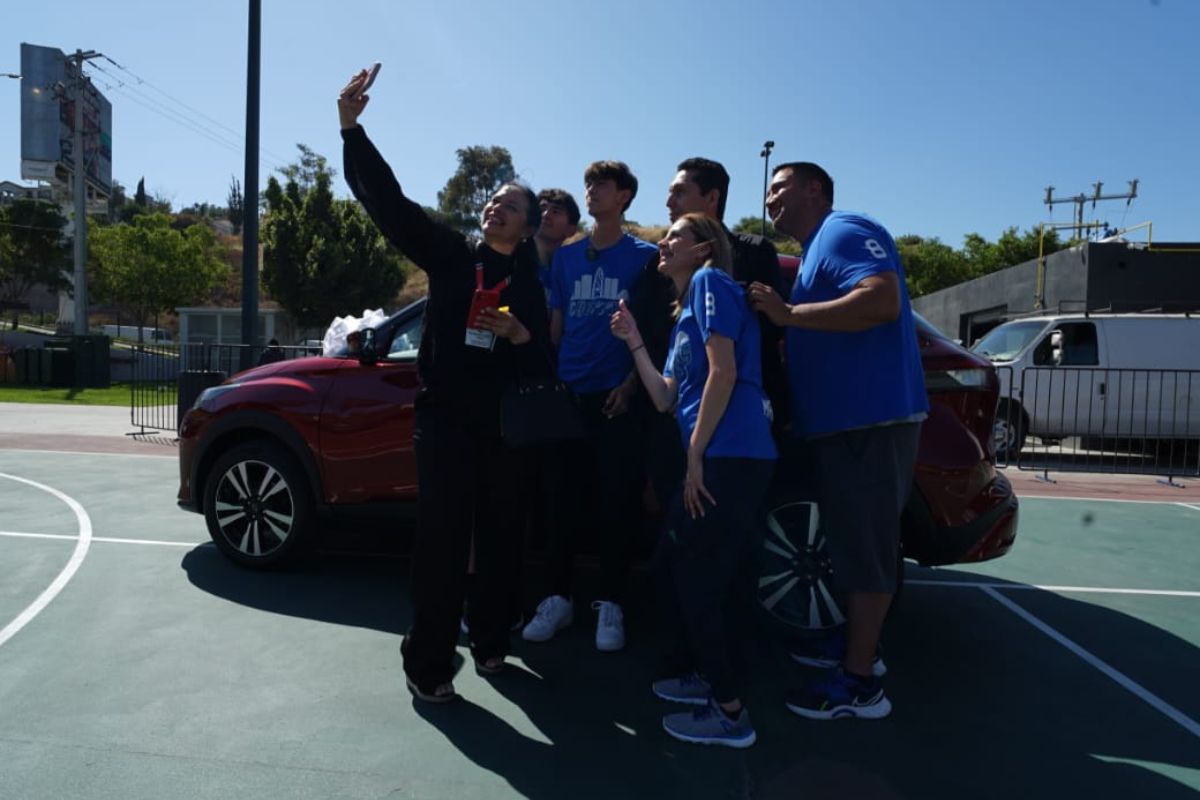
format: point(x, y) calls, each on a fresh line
point(1133, 376)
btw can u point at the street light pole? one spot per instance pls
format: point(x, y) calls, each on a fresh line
point(766, 157)
point(79, 161)
point(250, 191)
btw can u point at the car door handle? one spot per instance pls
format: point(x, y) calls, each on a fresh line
point(1100, 389)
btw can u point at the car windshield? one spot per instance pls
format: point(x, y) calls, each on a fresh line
point(1005, 342)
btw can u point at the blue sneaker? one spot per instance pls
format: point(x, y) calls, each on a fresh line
point(828, 651)
point(689, 688)
point(840, 695)
point(710, 725)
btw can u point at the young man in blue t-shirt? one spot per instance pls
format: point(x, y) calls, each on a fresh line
point(600, 482)
point(858, 399)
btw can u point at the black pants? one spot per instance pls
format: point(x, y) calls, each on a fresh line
point(467, 487)
point(699, 565)
point(597, 486)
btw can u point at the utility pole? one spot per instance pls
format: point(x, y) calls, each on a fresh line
point(250, 193)
point(78, 159)
point(1081, 199)
point(766, 157)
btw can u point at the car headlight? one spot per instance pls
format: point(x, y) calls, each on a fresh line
point(212, 393)
point(949, 380)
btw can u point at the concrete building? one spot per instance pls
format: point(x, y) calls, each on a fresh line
point(1114, 274)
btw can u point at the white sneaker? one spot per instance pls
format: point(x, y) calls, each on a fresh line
point(553, 614)
point(610, 626)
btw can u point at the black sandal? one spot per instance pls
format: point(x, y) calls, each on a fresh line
point(489, 666)
point(442, 693)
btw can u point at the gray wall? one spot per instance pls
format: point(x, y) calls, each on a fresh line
point(1102, 274)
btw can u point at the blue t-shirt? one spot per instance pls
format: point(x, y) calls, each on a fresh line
point(544, 277)
point(716, 304)
point(839, 380)
point(586, 291)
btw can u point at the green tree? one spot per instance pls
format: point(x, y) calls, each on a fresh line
point(307, 169)
point(323, 257)
point(32, 249)
point(147, 267)
point(930, 264)
point(481, 171)
point(236, 204)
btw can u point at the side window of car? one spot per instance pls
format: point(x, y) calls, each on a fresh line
point(406, 340)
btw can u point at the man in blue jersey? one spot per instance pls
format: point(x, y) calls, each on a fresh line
point(858, 399)
point(600, 488)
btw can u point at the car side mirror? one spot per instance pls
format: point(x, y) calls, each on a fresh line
point(1056, 348)
point(367, 353)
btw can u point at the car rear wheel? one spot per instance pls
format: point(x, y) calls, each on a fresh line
point(258, 505)
point(795, 587)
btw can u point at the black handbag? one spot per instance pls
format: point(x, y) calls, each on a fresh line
point(539, 411)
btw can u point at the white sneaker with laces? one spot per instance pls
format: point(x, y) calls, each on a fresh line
point(552, 615)
point(610, 626)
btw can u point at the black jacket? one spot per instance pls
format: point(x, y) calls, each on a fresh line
point(454, 375)
point(755, 259)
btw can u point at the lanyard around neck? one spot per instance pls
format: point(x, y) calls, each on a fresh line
point(499, 287)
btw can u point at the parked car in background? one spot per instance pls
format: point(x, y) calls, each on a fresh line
point(1131, 376)
point(275, 450)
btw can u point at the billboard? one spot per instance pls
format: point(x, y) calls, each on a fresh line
point(48, 121)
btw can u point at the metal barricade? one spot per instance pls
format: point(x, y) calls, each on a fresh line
point(1092, 419)
point(165, 379)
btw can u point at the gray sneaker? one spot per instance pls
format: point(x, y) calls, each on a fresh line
point(553, 614)
point(710, 725)
point(690, 689)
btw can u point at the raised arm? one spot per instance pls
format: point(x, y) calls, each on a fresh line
point(403, 222)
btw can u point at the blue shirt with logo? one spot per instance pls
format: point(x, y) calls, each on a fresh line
point(586, 291)
point(840, 381)
point(716, 304)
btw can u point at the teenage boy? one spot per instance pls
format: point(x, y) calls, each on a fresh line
point(598, 481)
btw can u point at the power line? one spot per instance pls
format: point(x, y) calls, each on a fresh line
point(239, 135)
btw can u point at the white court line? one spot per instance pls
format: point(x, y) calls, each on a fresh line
point(1189, 505)
point(83, 541)
point(1188, 724)
point(104, 539)
point(1046, 588)
point(82, 453)
point(1025, 497)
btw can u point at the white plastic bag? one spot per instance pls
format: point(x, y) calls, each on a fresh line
point(334, 342)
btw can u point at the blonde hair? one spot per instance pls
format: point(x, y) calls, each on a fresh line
point(707, 229)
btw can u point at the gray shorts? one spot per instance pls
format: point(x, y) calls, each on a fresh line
point(864, 479)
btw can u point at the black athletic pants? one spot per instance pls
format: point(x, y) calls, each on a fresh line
point(467, 481)
point(598, 483)
point(698, 566)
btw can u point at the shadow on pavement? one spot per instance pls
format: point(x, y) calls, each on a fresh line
point(985, 704)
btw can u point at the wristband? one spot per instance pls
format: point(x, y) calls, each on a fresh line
point(641, 346)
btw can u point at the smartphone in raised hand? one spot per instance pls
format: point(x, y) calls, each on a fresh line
point(371, 74)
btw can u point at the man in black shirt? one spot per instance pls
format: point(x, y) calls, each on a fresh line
point(702, 186)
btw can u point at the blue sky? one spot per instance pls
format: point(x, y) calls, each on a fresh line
point(939, 117)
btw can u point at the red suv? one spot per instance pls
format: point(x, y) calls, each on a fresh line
point(273, 451)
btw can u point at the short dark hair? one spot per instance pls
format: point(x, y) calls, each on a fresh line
point(533, 211)
point(808, 171)
point(562, 198)
point(616, 171)
point(708, 175)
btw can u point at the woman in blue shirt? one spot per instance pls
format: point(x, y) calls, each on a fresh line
point(713, 381)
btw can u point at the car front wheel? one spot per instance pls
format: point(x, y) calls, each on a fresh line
point(795, 586)
point(258, 505)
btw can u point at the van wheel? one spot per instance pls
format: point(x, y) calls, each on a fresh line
point(1008, 431)
point(258, 505)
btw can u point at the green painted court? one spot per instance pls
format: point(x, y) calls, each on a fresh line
point(136, 662)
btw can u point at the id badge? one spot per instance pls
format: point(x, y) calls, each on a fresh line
point(479, 337)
